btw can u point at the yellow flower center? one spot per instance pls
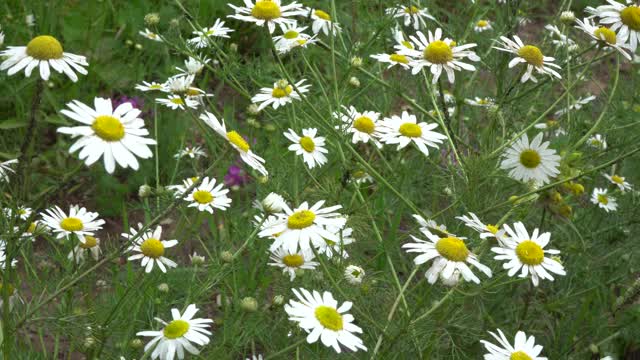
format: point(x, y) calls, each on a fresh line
point(291, 34)
point(606, 34)
point(531, 54)
point(530, 253)
point(175, 329)
point(32, 228)
point(279, 92)
point(89, 242)
point(44, 47)
point(301, 41)
point(307, 144)
point(301, 219)
point(265, 10)
point(410, 130)
point(237, 140)
point(519, 355)
point(492, 229)
point(364, 124)
point(322, 15)
point(108, 128)
point(399, 58)
point(411, 9)
point(617, 179)
point(630, 16)
point(152, 248)
point(603, 199)
point(202, 197)
point(482, 23)
point(10, 289)
point(452, 248)
point(530, 158)
point(155, 87)
point(71, 224)
point(192, 92)
point(177, 100)
point(407, 44)
point(293, 260)
point(329, 317)
point(438, 52)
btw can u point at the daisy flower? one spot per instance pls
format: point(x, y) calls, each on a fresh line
point(271, 204)
point(625, 19)
point(237, 142)
point(207, 196)
point(401, 42)
point(322, 22)
point(405, 129)
point(115, 135)
point(22, 212)
point(192, 152)
point(267, 12)
point(597, 141)
point(80, 222)
point(522, 349)
point(178, 335)
point(291, 261)
point(448, 254)
point(151, 86)
point(605, 37)
point(361, 124)
point(180, 189)
point(150, 35)
point(412, 15)
point(178, 102)
point(292, 37)
point(354, 274)
point(525, 253)
point(320, 316)
point(618, 181)
point(44, 52)
point(531, 161)
point(393, 59)
point(529, 55)
point(203, 38)
point(361, 177)
point(480, 102)
point(91, 247)
point(482, 25)
point(192, 66)
point(331, 247)
point(604, 201)
point(431, 226)
point(485, 230)
point(149, 248)
point(577, 105)
point(5, 169)
point(310, 146)
point(564, 42)
point(281, 94)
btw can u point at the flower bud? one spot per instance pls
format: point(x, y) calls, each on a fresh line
point(226, 256)
point(249, 304)
point(353, 81)
point(145, 191)
point(152, 19)
point(164, 287)
point(567, 17)
point(356, 61)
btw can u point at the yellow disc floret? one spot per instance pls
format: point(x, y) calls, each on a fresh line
point(293, 260)
point(532, 55)
point(152, 248)
point(452, 248)
point(410, 130)
point(108, 128)
point(617, 179)
point(89, 242)
point(630, 16)
point(364, 124)
point(411, 9)
point(399, 58)
point(438, 52)
point(329, 317)
point(519, 355)
point(44, 47)
point(307, 144)
point(237, 140)
point(202, 197)
point(530, 158)
point(175, 329)
point(291, 34)
point(72, 224)
point(603, 199)
point(606, 34)
point(280, 92)
point(265, 10)
point(322, 15)
point(482, 23)
point(492, 229)
point(301, 219)
point(530, 253)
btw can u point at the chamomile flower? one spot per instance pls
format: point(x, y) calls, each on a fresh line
point(618, 181)
point(175, 102)
point(525, 253)
point(178, 335)
point(485, 230)
point(322, 22)
point(292, 37)
point(180, 189)
point(271, 204)
point(562, 40)
point(531, 161)
point(90, 247)
point(431, 226)
point(281, 94)
point(192, 152)
point(79, 222)
point(606, 37)
point(604, 201)
point(529, 55)
point(151, 86)
point(363, 125)
point(393, 60)
point(267, 12)
point(480, 102)
point(331, 248)
point(150, 35)
point(625, 19)
point(411, 15)
point(577, 105)
point(150, 248)
point(405, 129)
point(291, 261)
point(482, 25)
point(237, 142)
point(320, 316)
point(5, 169)
point(44, 52)
point(448, 254)
point(204, 37)
point(354, 274)
point(523, 348)
point(401, 42)
point(597, 141)
point(192, 66)
point(22, 212)
point(118, 136)
point(207, 196)
point(361, 177)
point(309, 146)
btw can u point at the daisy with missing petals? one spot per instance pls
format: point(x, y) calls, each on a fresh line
point(150, 35)
point(405, 129)
point(529, 55)
point(267, 12)
point(192, 66)
point(204, 37)
point(361, 124)
point(401, 42)
point(80, 222)
point(44, 52)
point(625, 19)
point(207, 196)
point(480, 102)
point(180, 189)
point(310, 146)
point(531, 161)
point(337, 248)
point(605, 37)
point(291, 261)
point(604, 201)
point(115, 135)
point(320, 316)
point(522, 349)
point(482, 25)
point(5, 169)
point(90, 247)
point(150, 86)
point(526, 254)
point(178, 335)
point(281, 94)
point(412, 15)
point(292, 37)
point(322, 22)
point(271, 204)
point(393, 59)
point(178, 102)
point(597, 141)
point(150, 248)
point(485, 230)
point(237, 141)
point(354, 274)
point(439, 54)
point(449, 254)
point(192, 152)
point(618, 181)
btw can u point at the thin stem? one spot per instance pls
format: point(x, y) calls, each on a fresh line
point(24, 161)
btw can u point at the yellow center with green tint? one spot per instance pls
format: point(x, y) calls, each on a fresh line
point(322, 15)
point(492, 229)
point(279, 92)
point(519, 355)
point(606, 34)
point(438, 52)
point(530, 159)
point(177, 100)
point(237, 140)
point(329, 317)
point(452, 248)
point(407, 44)
point(630, 16)
point(364, 124)
point(175, 329)
point(532, 55)
point(202, 197)
point(192, 92)
point(301, 41)
point(411, 9)
point(410, 130)
point(291, 34)
point(108, 128)
point(44, 47)
point(293, 260)
point(32, 228)
point(89, 242)
point(301, 219)
point(617, 179)
point(529, 253)
point(603, 199)
point(152, 248)
point(10, 289)
point(399, 58)
point(482, 23)
point(307, 144)
point(265, 10)
point(71, 224)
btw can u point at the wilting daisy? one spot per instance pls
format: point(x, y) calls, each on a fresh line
point(44, 52)
point(150, 35)
point(237, 142)
point(79, 222)
point(320, 316)
point(192, 66)
point(485, 230)
point(150, 248)
point(331, 248)
point(577, 105)
point(393, 59)
point(605, 37)
point(281, 94)
point(178, 102)
point(618, 181)
point(405, 129)
point(412, 15)
point(529, 55)
point(625, 19)
point(203, 38)
point(192, 152)
point(604, 201)
point(291, 261)
point(449, 254)
point(482, 25)
point(178, 335)
point(271, 204)
point(322, 22)
point(292, 37)
point(90, 247)
point(115, 135)
point(150, 86)
point(525, 253)
point(207, 196)
point(597, 141)
point(480, 102)
point(354, 274)
point(267, 12)
point(5, 169)
point(310, 146)
point(522, 349)
point(531, 161)
point(361, 124)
